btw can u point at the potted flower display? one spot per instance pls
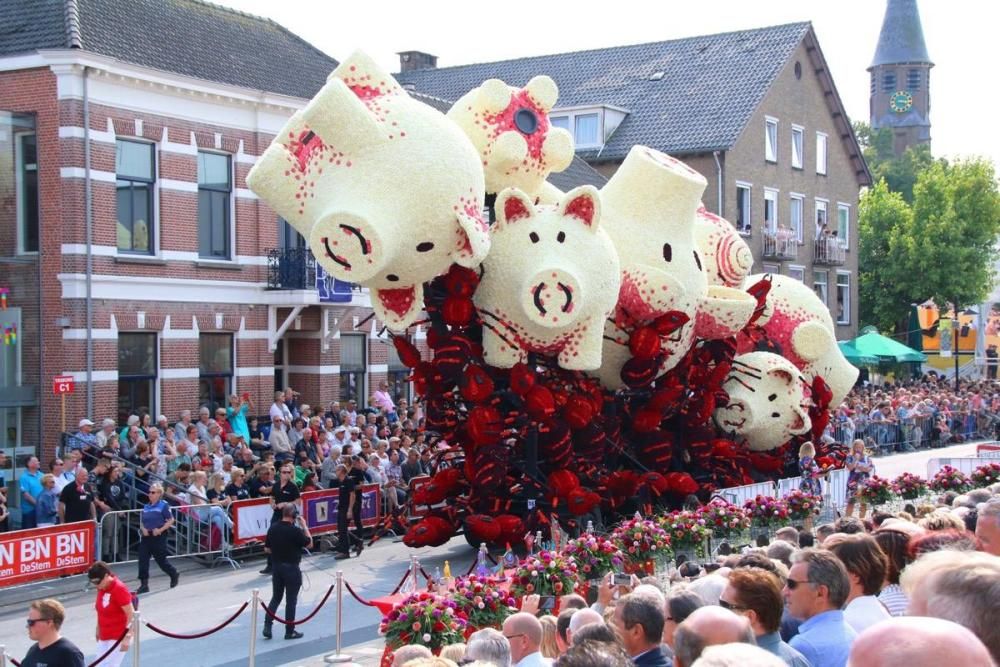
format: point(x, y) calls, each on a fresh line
point(642, 542)
point(985, 475)
point(909, 486)
point(422, 618)
point(802, 505)
point(595, 555)
point(482, 602)
point(765, 511)
point(687, 532)
point(950, 479)
point(722, 518)
point(546, 573)
point(875, 491)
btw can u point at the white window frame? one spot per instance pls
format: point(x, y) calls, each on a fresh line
point(824, 205)
point(845, 238)
point(19, 168)
point(748, 218)
point(798, 272)
point(232, 208)
point(774, 269)
point(798, 146)
point(570, 116)
point(799, 231)
point(826, 285)
point(822, 148)
point(772, 154)
point(847, 300)
point(771, 194)
point(155, 252)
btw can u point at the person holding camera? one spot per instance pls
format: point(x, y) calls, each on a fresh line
point(283, 493)
point(285, 541)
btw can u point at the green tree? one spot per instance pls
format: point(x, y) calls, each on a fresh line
point(882, 213)
point(900, 173)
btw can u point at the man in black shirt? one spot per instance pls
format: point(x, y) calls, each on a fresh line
point(345, 506)
point(45, 618)
point(285, 541)
point(76, 502)
point(261, 484)
point(283, 493)
point(356, 471)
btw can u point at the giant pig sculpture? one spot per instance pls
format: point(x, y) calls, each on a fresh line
point(726, 256)
point(768, 401)
point(510, 128)
point(549, 282)
point(649, 208)
point(336, 170)
point(800, 326)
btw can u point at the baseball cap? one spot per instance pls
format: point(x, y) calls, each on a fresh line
point(85, 422)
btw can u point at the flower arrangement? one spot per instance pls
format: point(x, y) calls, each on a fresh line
point(909, 486)
point(801, 505)
point(685, 529)
point(641, 540)
point(875, 491)
point(423, 618)
point(484, 605)
point(723, 518)
point(950, 479)
point(595, 555)
point(765, 511)
point(985, 475)
point(545, 573)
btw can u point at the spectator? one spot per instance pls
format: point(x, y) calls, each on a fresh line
point(45, 619)
point(107, 428)
point(76, 502)
point(114, 613)
point(291, 404)
point(383, 400)
point(787, 534)
point(206, 511)
point(756, 594)
point(680, 604)
point(866, 566)
point(580, 619)
point(638, 620)
point(237, 412)
point(596, 632)
point(782, 551)
point(279, 442)
point(180, 428)
point(918, 642)
point(405, 654)
point(204, 421)
point(988, 526)
point(30, 483)
point(593, 653)
point(562, 628)
point(708, 626)
point(549, 647)
point(48, 502)
point(412, 467)
point(815, 592)
point(84, 439)
point(737, 655)
point(893, 544)
point(490, 646)
point(237, 489)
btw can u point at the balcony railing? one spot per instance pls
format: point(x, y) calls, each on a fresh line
point(291, 268)
point(780, 244)
point(828, 251)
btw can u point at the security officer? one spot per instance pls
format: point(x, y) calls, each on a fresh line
point(345, 507)
point(283, 493)
point(285, 541)
point(356, 471)
point(156, 521)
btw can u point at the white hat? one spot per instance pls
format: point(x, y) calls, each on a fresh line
point(85, 422)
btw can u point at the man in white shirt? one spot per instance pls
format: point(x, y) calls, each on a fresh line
point(866, 565)
point(524, 632)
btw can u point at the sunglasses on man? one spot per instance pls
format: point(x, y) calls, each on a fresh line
point(32, 621)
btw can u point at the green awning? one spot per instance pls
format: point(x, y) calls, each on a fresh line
point(885, 349)
point(854, 357)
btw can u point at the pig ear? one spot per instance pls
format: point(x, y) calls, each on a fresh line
point(473, 240)
point(811, 340)
point(784, 375)
point(513, 205)
point(584, 204)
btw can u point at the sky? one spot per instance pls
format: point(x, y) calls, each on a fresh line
point(961, 39)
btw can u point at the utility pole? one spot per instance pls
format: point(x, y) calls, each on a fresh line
point(954, 337)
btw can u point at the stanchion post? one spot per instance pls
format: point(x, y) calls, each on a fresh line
point(3, 656)
point(413, 572)
point(136, 623)
point(254, 604)
point(339, 657)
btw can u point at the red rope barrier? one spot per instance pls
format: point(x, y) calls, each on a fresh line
point(13, 661)
point(109, 651)
point(357, 597)
point(401, 582)
point(315, 611)
point(198, 635)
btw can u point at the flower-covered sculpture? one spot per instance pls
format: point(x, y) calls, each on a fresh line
point(767, 401)
point(725, 255)
point(549, 282)
point(511, 130)
point(334, 172)
point(800, 328)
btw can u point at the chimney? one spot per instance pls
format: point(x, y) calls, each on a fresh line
point(411, 60)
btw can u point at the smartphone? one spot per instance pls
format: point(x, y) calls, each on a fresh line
point(246, 396)
point(547, 602)
point(619, 579)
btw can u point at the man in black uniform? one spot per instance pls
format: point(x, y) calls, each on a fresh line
point(285, 541)
point(283, 493)
point(345, 506)
point(356, 471)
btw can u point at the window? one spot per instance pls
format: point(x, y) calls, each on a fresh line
point(10, 383)
point(560, 121)
point(820, 217)
point(796, 147)
point(771, 210)
point(843, 224)
point(136, 171)
point(399, 376)
point(215, 187)
point(586, 130)
point(819, 285)
point(771, 139)
point(795, 216)
point(797, 272)
point(843, 298)
point(872, 83)
point(136, 374)
point(27, 192)
point(743, 209)
point(353, 364)
point(913, 80)
point(279, 365)
point(772, 269)
point(215, 381)
point(820, 153)
point(888, 82)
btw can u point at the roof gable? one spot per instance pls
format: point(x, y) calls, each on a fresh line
point(710, 86)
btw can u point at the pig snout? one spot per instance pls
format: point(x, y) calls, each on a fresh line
point(553, 298)
point(349, 247)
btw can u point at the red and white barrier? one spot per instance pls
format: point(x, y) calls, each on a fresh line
point(45, 553)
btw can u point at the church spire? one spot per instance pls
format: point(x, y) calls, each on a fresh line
point(901, 40)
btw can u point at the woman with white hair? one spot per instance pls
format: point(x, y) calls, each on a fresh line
point(205, 511)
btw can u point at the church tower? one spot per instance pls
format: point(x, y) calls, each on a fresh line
point(901, 77)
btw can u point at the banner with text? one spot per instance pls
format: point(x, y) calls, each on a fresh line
point(44, 553)
point(251, 519)
point(320, 508)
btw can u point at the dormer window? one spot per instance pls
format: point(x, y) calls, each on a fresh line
point(591, 127)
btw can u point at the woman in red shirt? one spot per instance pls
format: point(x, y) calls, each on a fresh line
point(114, 613)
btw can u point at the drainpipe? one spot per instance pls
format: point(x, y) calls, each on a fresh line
point(718, 176)
point(88, 227)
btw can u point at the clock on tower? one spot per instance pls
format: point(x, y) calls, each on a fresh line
point(901, 101)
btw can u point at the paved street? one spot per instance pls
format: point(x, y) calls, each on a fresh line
point(206, 597)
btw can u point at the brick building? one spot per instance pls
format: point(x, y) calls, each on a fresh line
point(755, 111)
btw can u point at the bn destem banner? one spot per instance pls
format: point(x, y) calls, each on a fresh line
point(44, 553)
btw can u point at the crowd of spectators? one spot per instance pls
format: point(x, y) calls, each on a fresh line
point(917, 588)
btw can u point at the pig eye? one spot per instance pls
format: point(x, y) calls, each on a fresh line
point(561, 237)
point(426, 246)
point(668, 252)
point(775, 414)
point(534, 237)
point(697, 260)
point(772, 397)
